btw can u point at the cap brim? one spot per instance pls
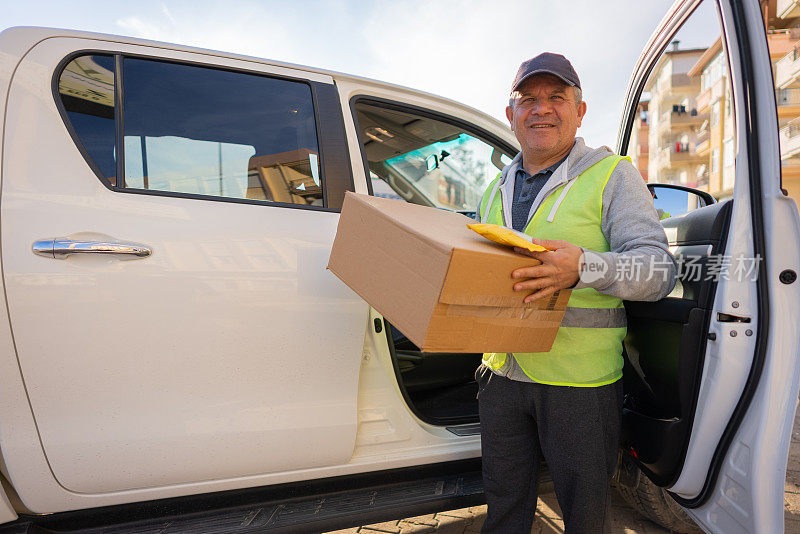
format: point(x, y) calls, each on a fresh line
point(544, 71)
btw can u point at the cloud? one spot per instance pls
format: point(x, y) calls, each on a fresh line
point(167, 14)
point(470, 50)
point(136, 27)
point(465, 50)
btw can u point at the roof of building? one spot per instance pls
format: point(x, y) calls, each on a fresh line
point(710, 53)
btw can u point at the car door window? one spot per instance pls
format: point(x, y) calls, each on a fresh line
point(86, 88)
point(684, 133)
point(196, 131)
point(427, 161)
point(783, 39)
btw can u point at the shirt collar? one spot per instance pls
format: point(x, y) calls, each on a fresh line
point(544, 172)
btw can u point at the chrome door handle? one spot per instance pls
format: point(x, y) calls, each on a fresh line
point(62, 248)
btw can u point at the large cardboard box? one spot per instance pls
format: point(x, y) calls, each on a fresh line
point(441, 284)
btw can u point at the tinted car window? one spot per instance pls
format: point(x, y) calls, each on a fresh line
point(205, 131)
point(425, 161)
point(86, 88)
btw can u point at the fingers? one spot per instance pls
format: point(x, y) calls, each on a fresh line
point(524, 252)
point(534, 284)
point(550, 244)
point(541, 294)
point(538, 254)
point(535, 271)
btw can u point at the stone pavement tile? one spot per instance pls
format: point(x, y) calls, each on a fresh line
point(630, 522)
point(464, 513)
point(548, 507)
point(548, 516)
point(792, 526)
point(428, 519)
point(387, 526)
point(794, 457)
point(353, 530)
point(416, 528)
point(451, 525)
point(477, 522)
point(547, 525)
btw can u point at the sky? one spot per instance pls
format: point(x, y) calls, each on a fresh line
point(466, 50)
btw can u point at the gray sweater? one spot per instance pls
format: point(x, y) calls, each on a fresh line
point(629, 223)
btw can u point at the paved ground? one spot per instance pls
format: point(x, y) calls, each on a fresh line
point(548, 516)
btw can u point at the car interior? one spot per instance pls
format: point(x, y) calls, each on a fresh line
point(440, 388)
point(665, 345)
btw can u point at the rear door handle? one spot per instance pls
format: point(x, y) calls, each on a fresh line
point(60, 248)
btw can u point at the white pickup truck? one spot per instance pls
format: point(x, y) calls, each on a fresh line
point(174, 357)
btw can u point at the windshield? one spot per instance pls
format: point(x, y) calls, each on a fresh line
point(460, 172)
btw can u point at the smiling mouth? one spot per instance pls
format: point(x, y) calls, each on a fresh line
point(542, 125)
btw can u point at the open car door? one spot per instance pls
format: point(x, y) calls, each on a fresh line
point(712, 370)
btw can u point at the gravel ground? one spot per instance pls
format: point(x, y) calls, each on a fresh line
point(548, 516)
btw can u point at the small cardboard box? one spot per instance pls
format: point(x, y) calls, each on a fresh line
point(441, 284)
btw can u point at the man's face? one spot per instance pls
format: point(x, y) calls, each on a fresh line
point(545, 116)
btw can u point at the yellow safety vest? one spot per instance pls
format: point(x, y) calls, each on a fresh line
point(588, 347)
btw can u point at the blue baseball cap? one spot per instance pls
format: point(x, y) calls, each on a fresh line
point(547, 63)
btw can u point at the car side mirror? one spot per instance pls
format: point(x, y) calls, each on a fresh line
point(674, 200)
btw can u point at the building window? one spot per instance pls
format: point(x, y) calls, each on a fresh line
point(727, 152)
point(715, 160)
point(715, 113)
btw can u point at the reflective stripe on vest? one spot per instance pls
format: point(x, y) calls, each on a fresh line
point(588, 347)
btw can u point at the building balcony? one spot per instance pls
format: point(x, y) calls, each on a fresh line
point(680, 120)
point(787, 69)
point(704, 99)
point(682, 82)
point(677, 83)
point(789, 137)
point(703, 146)
point(788, 9)
point(678, 156)
point(788, 101)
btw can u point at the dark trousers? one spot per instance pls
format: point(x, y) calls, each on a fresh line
point(575, 429)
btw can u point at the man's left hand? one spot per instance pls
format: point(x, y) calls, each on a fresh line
point(560, 269)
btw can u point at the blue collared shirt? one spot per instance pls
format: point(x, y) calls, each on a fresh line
point(526, 187)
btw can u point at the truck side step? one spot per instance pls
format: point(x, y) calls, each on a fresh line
point(333, 505)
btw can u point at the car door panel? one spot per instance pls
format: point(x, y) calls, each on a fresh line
point(230, 352)
point(665, 347)
point(729, 473)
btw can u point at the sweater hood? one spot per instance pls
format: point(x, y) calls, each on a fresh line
point(580, 158)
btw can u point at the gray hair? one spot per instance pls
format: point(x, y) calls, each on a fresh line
point(578, 97)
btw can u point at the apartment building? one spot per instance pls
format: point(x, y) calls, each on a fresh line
point(782, 20)
point(639, 143)
point(674, 120)
point(715, 135)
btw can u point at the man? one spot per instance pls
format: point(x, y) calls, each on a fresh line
point(593, 212)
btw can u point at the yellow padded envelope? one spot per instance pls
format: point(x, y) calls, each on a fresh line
point(505, 236)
